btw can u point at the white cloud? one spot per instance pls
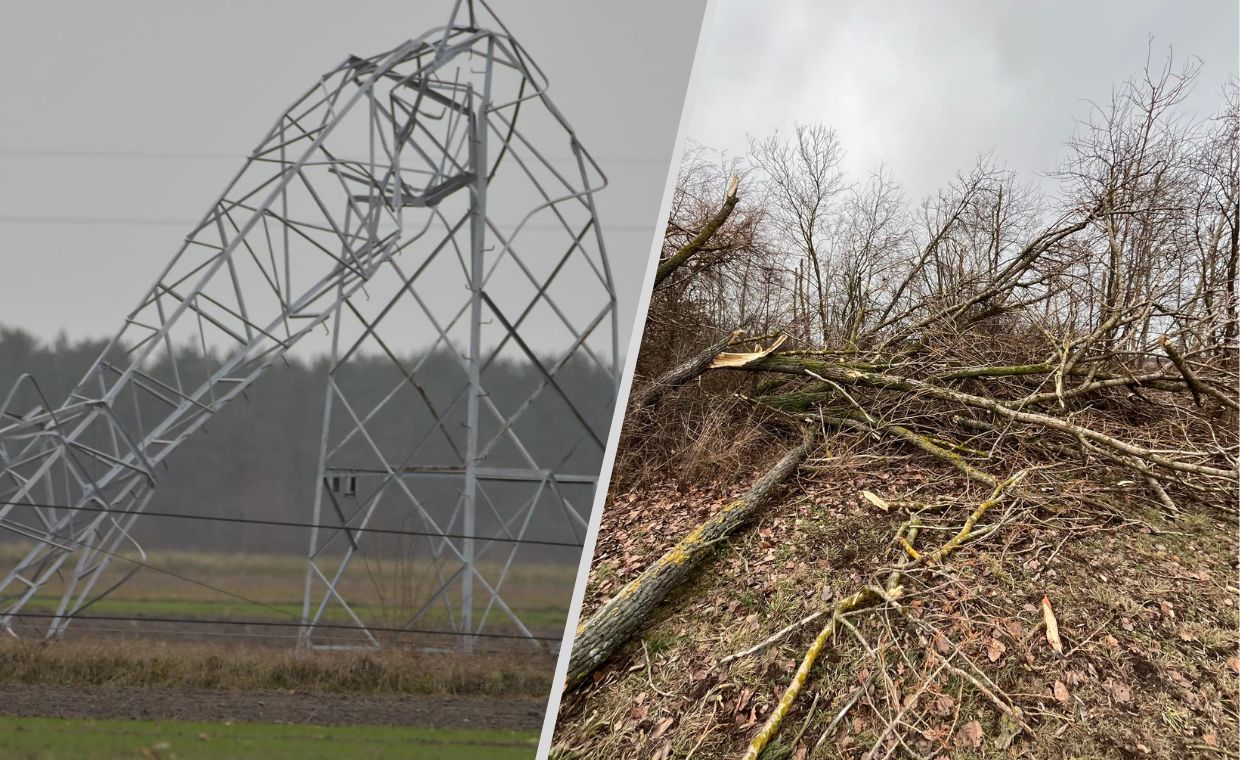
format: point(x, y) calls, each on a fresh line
point(926, 87)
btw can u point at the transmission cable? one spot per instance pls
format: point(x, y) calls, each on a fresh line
point(279, 624)
point(300, 621)
point(295, 524)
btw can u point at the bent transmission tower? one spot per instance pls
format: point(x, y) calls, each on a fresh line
point(404, 197)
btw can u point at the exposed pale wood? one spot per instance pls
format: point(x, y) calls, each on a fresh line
point(693, 247)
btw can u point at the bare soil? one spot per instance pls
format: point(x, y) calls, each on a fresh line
point(102, 702)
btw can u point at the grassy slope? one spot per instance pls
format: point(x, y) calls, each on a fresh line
point(49, 739)
point(1146, 610)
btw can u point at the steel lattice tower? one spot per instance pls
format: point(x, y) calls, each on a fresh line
point(405, 196)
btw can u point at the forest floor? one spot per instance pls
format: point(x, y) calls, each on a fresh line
point(1146, 608)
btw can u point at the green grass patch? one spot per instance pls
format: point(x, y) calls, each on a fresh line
point(55, 738)
point(543, 618)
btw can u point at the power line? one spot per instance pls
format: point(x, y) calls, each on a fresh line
point(164, 571)
point(294, 524)
point(297, 622)
point(151, 630)
point(160, 570)
point(177, 156)
point(156, 569)
point(100, 221)
point(132, 630)
point(104, 221)
point(279, 624)
point(124, 154)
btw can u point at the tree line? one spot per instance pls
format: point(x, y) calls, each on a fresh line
point(258, 457)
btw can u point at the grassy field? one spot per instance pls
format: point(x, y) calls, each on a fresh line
point(382, 592)
point(88, 661)
point(167, 665)
point(54, 739)
point(537, 619)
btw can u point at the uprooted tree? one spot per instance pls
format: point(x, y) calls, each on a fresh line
point(1005, 336)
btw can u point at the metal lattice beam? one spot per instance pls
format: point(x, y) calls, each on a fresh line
point(391, 182)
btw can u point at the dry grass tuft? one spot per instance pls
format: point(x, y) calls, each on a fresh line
point(145, 663)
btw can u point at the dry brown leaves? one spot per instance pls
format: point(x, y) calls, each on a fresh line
point(969, 735)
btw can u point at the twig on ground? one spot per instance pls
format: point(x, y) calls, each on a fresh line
point(650, 673)
point(772, 638)
point(843, 711)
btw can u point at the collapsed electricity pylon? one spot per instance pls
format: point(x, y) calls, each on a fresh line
point(401, 197)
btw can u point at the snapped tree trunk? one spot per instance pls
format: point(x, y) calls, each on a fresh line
point(688, 250)
point(616, 621)
point(652, 392)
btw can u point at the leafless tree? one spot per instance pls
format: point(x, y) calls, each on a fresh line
point(802, 178)
point(1089, 335)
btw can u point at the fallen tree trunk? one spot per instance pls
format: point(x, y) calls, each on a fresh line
point(616, 621)
point(843, 375)
point(1198, 388)
point(694, 366)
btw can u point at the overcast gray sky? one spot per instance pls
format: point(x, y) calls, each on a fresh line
point(124, 120)
point(927, 86)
